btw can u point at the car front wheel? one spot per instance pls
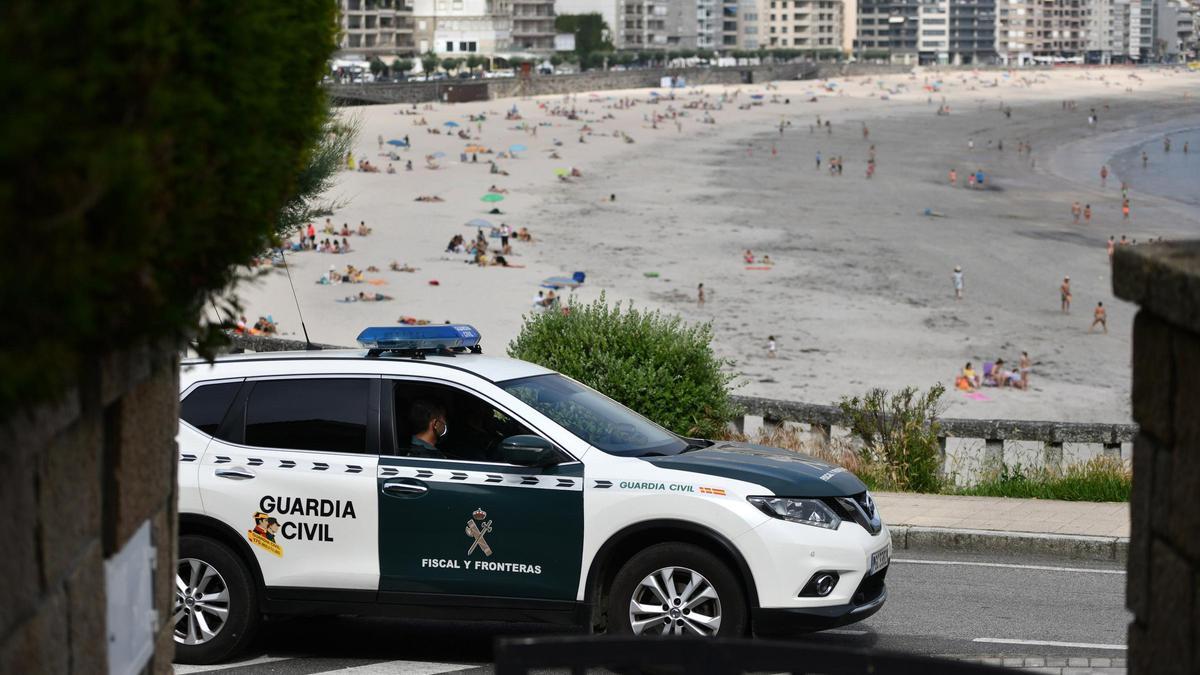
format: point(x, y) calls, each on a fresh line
point(676, 589)
point(215, 613)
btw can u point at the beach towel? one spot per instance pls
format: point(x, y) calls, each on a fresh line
point(758, 267)
point(978, 396)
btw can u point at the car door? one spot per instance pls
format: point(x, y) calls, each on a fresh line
point(292, 469)
point(462, 521)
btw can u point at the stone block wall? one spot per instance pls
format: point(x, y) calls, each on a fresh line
point(1163, 589)
point(78, 476)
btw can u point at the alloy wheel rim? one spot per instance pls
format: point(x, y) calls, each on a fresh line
point(675, 601)
point(201, 602)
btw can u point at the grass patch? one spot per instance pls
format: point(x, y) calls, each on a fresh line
point(1102, 479)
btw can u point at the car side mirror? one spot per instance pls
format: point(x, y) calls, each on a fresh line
point(528, 450)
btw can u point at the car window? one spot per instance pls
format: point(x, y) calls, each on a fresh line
point(465, 427)
point(205, 406)
point(309, 414)
point(594, 417)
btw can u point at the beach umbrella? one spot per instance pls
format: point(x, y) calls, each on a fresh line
point(492, 197)
point(517, 148)
point(438, 155)
point(398, 142)
point(479, 223)
point(756, 97)
point(450, 124)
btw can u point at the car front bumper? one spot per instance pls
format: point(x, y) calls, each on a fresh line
point(868, 598)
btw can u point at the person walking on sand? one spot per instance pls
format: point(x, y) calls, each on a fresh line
point(771, 347)
point(1076, 211)
point(1112, 246)
point(1099, 316)
point(970, 144)
point(1087, 214)
point(1103, 175)
point(1026, 365)
point(953, 178)
point(818, 160)
point(1064, 292)
point(700, 294)
point(1125, 209)
point(958, 282)
point(1145, 159)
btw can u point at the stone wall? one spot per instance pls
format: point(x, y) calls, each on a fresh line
point(77, 478)
point(1164, 548)
point(540, 85)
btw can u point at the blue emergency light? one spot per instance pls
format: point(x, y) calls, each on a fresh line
point(447, 337)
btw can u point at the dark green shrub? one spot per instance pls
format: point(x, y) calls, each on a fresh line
point(899, 431)
point(653, 363)
point(146, 150)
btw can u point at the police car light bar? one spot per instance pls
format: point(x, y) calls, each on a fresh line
point(420, 339)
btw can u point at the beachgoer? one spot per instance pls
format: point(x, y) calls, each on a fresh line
point(1099, 316)
point(818, 160)
point(1145, 159)
point(1064, 292)
point(771, 347)
point(1103, 175)
point(1125, 209)
point(953, 178)
point(1025, 366)
point(700, 294)
point(1087, 213)
point(1076, 211)
point(748, 257)
point(1111, 246)
point(958, 282)
point(970, 375)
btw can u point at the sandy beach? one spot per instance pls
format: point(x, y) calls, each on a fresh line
point(860, 290)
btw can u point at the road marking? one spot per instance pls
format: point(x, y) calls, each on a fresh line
point(407, 667)
point(1050, 643)
point(182, 669)
point(1043, 568)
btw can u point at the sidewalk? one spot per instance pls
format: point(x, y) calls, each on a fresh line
point(1079, 530)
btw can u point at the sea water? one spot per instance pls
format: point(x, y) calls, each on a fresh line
point(1167, 174)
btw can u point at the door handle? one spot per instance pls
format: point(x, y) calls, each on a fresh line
point(234, 473)
point(404, 489)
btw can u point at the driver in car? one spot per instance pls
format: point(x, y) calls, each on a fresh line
point(428, 421)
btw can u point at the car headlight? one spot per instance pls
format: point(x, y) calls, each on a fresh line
point(806, 511)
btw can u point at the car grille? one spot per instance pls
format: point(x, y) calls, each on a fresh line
point(861, 509)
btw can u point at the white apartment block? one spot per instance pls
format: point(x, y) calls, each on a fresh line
point(462, 27)
point(803, 24)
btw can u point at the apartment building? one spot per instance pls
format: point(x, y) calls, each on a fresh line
point(708, 24)
point(890, 27)
point(655, 24)
point(1042, 31)
point(533, 25)
point(803, 24)
point(462, 27)
point(375, 28)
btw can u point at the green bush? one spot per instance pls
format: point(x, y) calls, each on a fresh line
point(1102, 479)
point(900, 433)
point(146, 150)
point(655, 364)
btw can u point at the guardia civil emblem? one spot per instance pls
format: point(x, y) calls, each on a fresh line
point(477, 528)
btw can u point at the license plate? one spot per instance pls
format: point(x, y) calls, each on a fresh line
point(879, 560)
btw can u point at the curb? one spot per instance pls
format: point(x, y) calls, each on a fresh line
point(1071, 547)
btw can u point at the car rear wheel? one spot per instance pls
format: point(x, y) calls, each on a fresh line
point(215, 612)
point(676, 589)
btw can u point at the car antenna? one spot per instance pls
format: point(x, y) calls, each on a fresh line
point(307, 343)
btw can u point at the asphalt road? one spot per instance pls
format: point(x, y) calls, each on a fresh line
point(956, 605)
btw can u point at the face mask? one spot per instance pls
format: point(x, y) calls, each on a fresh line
point(444, 430)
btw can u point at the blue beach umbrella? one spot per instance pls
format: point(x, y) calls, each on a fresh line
point(450, 124)
point(517, 148)
point(438, 155)
point(398, 142)
point(756, 97)
point(480, 223)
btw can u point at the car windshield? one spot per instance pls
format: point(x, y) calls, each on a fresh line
point(594, 417)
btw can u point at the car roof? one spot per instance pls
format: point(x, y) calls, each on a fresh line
point(492, 368)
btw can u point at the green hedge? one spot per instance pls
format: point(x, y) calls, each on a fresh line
point(147, 148)
point(652, 363)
